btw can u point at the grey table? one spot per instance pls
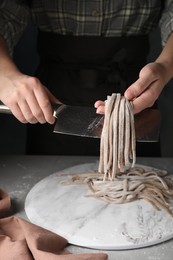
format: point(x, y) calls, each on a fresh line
point(18, 174)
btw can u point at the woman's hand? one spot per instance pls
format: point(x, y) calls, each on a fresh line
point(27, 98)
point(145, 91)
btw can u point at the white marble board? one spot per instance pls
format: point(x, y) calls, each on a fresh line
point(88, 222)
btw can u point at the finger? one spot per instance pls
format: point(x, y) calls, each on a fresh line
point(44, 104)
point(99, 103)
point(27, 111)
point(16, 111)
point(100, 110)
point(137, 88)
point(33, 106)
point(145, 100)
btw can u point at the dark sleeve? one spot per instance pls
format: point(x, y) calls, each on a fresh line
point(166, 22)
point(14, 16)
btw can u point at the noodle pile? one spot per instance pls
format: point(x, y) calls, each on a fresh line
point(117, 180)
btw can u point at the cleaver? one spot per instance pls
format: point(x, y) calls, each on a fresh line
point(83, 121)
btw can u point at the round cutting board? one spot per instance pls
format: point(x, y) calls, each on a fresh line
point(92, 223)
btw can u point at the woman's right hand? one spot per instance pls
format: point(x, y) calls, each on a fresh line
point(27, 98)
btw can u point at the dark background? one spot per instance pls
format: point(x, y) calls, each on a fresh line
point(13, 133)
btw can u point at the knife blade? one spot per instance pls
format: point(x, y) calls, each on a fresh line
point(83, 121)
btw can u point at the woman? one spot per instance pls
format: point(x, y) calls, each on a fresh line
point(88, 50)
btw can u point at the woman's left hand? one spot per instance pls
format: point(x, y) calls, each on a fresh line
point(145, 91)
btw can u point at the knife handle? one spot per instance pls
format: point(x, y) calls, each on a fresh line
point(4, 109)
